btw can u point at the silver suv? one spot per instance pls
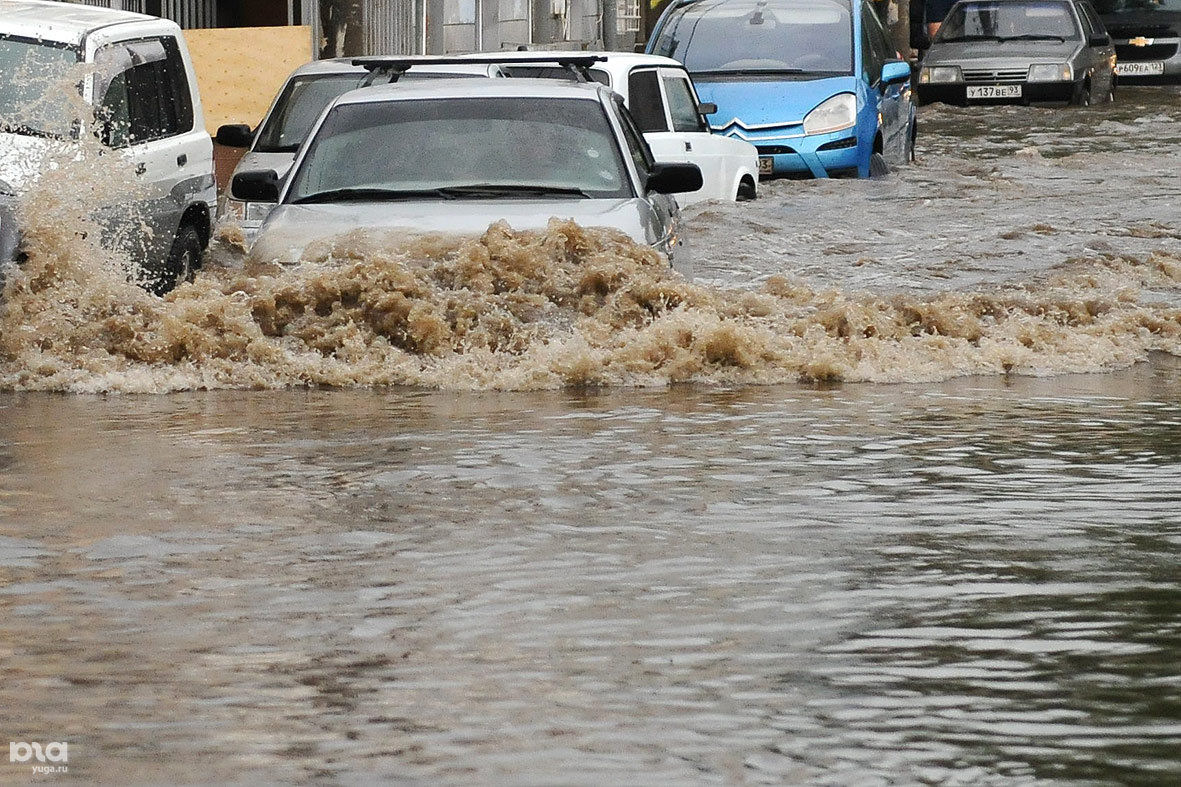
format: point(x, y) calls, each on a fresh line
point(457, 155)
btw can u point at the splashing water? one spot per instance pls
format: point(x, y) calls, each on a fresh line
point(532, 310)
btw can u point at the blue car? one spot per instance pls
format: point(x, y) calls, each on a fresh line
point(815, 85)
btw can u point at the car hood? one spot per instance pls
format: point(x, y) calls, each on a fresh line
point(256, 161)
point(754, 103)
point(21, 159)
point(984, 52)
point(290, 228)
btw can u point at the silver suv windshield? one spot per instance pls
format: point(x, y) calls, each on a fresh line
point(39, 77)
point(760, 37)
point(477, 148)
point(1048, 20)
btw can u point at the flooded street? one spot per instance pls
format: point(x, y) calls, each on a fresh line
point(888, 494)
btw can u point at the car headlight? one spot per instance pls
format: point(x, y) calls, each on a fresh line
point(940, 75)
point(238, 210)
point(838, 112)
point(1051, 72)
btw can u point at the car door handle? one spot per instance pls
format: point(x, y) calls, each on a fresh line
point(141, 168)
point(688, 147)
point(182, 159)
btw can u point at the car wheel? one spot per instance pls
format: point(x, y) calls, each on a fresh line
point(181, 265)
point(746, 191)
point(1082, 95)
point(878, 166)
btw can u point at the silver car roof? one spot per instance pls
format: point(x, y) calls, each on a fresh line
point(468, 88)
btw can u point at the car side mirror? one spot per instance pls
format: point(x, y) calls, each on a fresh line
point(674, 178)
point(707, 108)
point(259, 186)
point(895, 72)
point(237, 135)
point(1099, 40)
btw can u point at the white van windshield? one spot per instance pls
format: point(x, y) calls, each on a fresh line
point(34, 94)
point(746, 37)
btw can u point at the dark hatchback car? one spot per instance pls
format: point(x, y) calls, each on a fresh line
point(1019, 51)
point(1147, 37)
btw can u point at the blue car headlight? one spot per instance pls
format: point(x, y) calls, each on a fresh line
point(1051, 72)
point(834, 114)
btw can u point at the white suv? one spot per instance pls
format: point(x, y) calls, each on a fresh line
point(139, 81)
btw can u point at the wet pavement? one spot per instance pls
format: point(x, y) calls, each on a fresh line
point(954, 578)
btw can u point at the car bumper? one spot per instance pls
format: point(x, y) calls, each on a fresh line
point(1031, 93)
point(1156, 62)
point(818, 155)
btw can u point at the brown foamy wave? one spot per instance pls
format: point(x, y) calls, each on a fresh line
point(532, 310)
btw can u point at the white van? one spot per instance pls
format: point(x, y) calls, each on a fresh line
point(139, 80)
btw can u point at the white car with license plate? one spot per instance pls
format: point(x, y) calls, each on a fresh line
point(455, 156)
point(661, 97)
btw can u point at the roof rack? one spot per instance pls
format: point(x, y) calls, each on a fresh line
point(392, 68)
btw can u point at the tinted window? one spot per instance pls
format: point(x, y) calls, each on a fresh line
point(644, 100)
point(36, 86)
point(433, 143)
point(298, 107)
point(990, 20)
point(872, 57)
point(641, 154)
point(143, 91)
point(1092, 19)
point(746, 37)
point(682, 105)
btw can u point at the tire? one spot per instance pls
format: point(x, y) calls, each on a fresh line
point(183, 261)
point(1082, 95)
point(877, 166)
point(746, 191)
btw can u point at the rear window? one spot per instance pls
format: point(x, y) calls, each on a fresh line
point(748, 38)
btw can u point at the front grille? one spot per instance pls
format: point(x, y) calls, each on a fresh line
point(1131, 54)
point(987, 76)
point(774, 150)
point(1124, 33)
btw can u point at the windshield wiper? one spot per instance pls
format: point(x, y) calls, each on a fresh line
point(749, 72)
point(957, 39)
point(1034, 37)
point(371, 195)
point(502, 189)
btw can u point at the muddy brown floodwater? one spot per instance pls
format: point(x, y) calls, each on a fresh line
point(888, 492)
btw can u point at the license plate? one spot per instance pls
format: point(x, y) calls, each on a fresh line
point(1140, 69)
point(766, 165)
point(994, 91)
